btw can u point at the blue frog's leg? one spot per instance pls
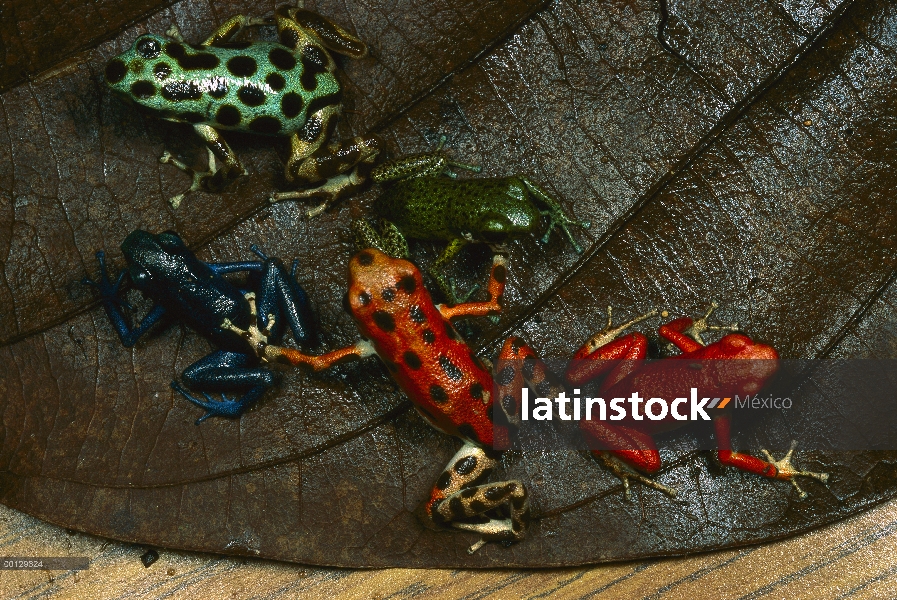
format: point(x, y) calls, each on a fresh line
point(225, 372)
point(280, 295)
point(237, 267)
point(112, 304)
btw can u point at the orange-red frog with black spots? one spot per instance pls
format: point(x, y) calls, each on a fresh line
point(448, 384)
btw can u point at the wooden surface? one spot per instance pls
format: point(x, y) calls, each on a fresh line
point(852, 559)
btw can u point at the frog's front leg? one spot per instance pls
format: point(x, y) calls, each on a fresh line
point(685, 332)
point(213, 179)
point(343, 167)
point(495, 289)
point(455, 502)
point(225, 372)
point(361, 349)
point(554, 212)
point(437, 270)
point(112, 304)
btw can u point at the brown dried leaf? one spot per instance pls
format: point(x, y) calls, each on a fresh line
point(748, 157)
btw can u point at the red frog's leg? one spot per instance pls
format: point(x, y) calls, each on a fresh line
point(607, 351)
point(495, 289)
point(619, 448)
point(685, 334)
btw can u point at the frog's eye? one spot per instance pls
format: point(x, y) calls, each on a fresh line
point(148, 47)
point(170, 240)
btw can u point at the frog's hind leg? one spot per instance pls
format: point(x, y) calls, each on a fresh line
point(213, 179)
point(225, 372)
point(115, 305)
point(343, 167)
point(388, 239)
point(298, 27)
point(497, 511)
point(281, 295)
point(428, 164)
point(782, 469)
point(554, 212)
point(230, 28)
point(437, 271)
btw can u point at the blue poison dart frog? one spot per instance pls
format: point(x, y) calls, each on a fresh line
point(286, 88)
point(451, 388)
point(423, 198)
point(239, 322)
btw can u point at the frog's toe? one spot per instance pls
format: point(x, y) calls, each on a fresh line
point(107, 290)
point(214, 408)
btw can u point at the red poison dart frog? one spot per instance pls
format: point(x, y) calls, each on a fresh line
point(733, 365)
point(449, 385)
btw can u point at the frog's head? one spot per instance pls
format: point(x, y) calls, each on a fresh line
point(377, 279)
point(154, 257)
point(137, 73)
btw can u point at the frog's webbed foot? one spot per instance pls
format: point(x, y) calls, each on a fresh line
point(555, 214)
point(624, 472)
point(230, 409)
point(557, 219)
point(108, 291)
point(786, 470)
point(700, 326)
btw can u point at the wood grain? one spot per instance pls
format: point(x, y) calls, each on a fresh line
point(853, 559)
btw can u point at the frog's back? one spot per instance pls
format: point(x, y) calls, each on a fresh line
point(260, 87)
point(443, 208)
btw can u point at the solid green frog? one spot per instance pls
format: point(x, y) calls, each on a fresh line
point(280, 89)
point(424, 200)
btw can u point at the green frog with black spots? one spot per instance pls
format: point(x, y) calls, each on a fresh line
point(286, 88)
point(425, 200)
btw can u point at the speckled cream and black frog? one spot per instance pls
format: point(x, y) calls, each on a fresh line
point(279, 89)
